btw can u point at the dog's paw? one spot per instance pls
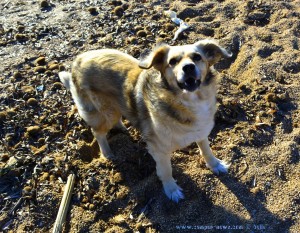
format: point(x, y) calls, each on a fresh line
point(108, 155)
point(218, 167)
point(173, 191)
point(106, 152)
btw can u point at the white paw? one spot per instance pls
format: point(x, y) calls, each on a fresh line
point(218, 167)
point(173, 191)
point(107, 155)
point(106, 152)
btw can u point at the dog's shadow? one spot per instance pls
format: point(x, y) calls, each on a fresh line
point(206, 202)
point(207, 207)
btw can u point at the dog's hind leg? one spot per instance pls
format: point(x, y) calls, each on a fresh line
point(104, 115)
point(105, 122)
point(103, 144)
point(216, 165)
point(100, 123)
point(120, 126)
point(101, 117)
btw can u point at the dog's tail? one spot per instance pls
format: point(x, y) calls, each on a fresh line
point(65, 78)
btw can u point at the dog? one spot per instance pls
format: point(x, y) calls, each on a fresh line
point(170, 96)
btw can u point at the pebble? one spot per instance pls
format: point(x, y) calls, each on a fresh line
point(283, 97)
point(84, 200)
point(132, 40)
point(138, 28)
point(48, 72)
point(135, 51)
point(121, 194)
point(39, 69)
point(150, 37)
point(52, 178)
point(44, 4)
point(4, 157)
point(33, 130)
point(141, 33)
point(26, 189)
point(118, 219)
point(119, 11)
point(117, 178)
point(41, 140)
point(40, 61)
point(115, 3)
point(21, 37)
point(169, 27)
point(11, 112)
point(271, 97)
point(53, 67)
point(148, 28)
point(28, 89)
point(163, 35)
point(3, 116)
point(242, 86)
point(61, 68)
point(255, 190)
point(57, 85)
point(93, 10)
point(155, 17)
point(125, 6)
point(44, 176)
point(91, 206)
point(139, 226)
point(17, 75)
point(21, 28)
point(97, 197)
point(159, 40)
point(32, 102)
point(11, 162)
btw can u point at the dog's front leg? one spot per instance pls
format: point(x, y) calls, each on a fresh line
point(164, 172)
point(216, 165)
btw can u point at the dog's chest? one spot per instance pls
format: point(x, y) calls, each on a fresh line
point(175, 136)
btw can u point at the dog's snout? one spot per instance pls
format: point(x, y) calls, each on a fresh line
point(188, 68)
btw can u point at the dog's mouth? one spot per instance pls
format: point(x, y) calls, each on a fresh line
point(190, 84)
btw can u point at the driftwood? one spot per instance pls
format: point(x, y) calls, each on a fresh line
point(64, 205)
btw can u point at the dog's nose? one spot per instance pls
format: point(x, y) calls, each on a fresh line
point(188, 68)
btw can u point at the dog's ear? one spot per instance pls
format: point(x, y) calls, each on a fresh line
point(212, 51)
point(155, 59)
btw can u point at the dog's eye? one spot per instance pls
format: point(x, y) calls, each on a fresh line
point(173, 61)
point(197, 57)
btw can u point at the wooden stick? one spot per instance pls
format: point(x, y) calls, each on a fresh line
point(64, 205)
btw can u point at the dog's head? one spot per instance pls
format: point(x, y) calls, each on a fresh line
point(185, 67)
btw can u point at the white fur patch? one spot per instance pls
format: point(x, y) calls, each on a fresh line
point(176, 136)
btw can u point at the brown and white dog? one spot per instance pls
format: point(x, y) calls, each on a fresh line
point(170, 97)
